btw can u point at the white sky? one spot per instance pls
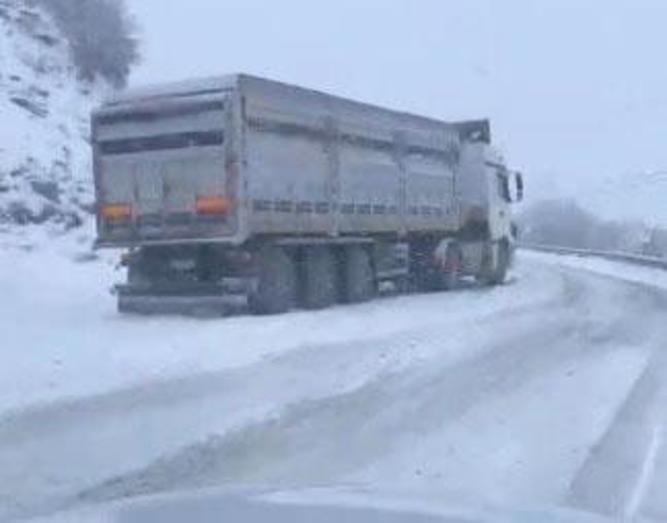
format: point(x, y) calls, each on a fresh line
point(576, 90)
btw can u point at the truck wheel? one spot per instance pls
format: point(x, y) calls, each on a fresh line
point(358, 276)
point(139, 268)
point(494, 272)
point(502, 264)
point(451, 272)
point(424, 276)
point(276, 289)
point(402, 285)
point(123, 306)
point(136, 274)
point(320, 284)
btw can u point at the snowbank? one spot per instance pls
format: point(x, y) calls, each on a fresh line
point(616, 269)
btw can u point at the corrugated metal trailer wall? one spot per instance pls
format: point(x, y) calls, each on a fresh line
point(319, 164)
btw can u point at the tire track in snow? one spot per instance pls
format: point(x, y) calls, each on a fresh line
point(50, 451)
point(619, 471)
point(646, 475)
point(319, 442)
point(351, 423)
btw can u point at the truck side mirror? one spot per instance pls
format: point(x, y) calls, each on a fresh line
point(518, 178)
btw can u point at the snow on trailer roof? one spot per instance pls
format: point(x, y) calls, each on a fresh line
point(173, 89)
point(475, 130)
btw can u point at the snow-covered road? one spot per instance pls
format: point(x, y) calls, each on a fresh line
point(544, 392)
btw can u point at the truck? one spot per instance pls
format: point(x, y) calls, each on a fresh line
point(243, 189)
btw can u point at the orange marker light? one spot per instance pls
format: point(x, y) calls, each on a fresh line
point(213, 205)
point(116, 211)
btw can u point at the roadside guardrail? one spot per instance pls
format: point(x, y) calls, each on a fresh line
point(637, 259)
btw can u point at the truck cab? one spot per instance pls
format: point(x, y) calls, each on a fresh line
point(504, 187)
point(485, 191)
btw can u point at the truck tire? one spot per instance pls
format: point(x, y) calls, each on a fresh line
point(451, 272)
point(139, 268)
point(502, 265)
point(358, 275)
point(123, 306)
point(136, 274)
point(494, 272)
point(320, 278)
point(423, 271)
point(276, 289)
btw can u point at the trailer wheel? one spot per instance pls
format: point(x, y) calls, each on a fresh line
point(136, 275)
point(424, 274)
point(138, 272)
point(123, 306)
point(276, 289)
point(320, 278)
point(358, 275)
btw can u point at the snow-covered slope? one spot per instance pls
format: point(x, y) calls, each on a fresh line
point(45, 175)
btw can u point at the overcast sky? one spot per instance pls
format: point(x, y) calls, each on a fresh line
point(576, 90)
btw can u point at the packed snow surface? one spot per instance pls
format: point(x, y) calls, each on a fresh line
point(542, 396)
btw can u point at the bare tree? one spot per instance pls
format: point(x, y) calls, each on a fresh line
point(101, 34)
point(558, 222)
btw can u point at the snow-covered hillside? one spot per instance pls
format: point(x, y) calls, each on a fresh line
point(45, 174)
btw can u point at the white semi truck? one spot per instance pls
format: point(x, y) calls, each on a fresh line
point(287, 197)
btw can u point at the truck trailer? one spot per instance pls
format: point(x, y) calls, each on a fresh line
point(242, 188)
